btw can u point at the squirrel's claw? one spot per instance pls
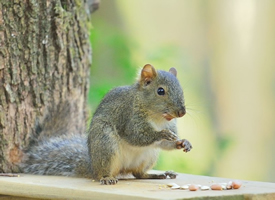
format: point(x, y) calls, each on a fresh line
point(169, 135)
point(108, 181)
point(184, 144)
point(171, 174)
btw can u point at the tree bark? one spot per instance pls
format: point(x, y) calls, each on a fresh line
point(45, 58)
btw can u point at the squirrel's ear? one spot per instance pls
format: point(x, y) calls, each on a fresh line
point(173, 71)
point(148, 73)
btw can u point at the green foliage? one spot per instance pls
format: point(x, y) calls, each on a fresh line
point(112, 64)
point(224, 144)
point(168, 161)
point(164, 56)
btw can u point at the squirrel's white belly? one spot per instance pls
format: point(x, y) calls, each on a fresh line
point(132, 157)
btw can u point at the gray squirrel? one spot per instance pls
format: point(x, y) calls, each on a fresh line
point(129, 128)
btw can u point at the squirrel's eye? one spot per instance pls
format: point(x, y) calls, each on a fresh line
point(161, 91)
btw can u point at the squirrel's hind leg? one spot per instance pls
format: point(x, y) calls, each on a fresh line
point(165, 175)
point(104, 155)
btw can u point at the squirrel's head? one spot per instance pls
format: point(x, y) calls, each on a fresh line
point(161, 92)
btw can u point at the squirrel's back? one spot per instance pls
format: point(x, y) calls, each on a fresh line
point(116, 108)
point(115, 101)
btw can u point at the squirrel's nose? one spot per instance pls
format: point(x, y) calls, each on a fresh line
point(181, 112)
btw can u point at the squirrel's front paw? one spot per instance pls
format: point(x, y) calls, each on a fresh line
point(185, 144)
point(108, 181)
point(168, 135)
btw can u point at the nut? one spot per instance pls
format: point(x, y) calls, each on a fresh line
point(171, 184)
point(216, 187)
point(193, 187)
point(229, 185)
point(184, 187)
point(205, 187)
point(236, 184)
point(175, 187)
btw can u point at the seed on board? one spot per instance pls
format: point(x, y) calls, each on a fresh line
point(171, 184)
point(236, 184)
point(193, 187)
point(205, 187)
point(229, 185)
point(223, 185)
point(175, 187)
point(184, 187)
point(216, 187)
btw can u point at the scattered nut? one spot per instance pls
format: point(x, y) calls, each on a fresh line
point(175, 187)
point(205, 187)
point(223, 187)
point(171, 184)
point(184, 187)
point(216, 187)
point(236, 184)
point(229, 185)
point(193, 187)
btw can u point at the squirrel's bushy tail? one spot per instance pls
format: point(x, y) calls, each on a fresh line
point(59, 146)
point(58, 120)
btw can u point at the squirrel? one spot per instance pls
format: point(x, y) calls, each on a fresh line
point(129, 128)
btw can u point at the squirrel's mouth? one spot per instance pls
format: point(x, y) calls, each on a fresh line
point(167, 116)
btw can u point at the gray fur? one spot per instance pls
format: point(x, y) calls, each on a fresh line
point(66, 155)
point(127, 131)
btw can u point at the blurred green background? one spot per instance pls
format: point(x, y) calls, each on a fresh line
point(224, 52)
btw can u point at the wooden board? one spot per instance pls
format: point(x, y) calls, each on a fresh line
point(53, 187)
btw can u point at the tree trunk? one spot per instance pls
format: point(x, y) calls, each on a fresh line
point(45, 57)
